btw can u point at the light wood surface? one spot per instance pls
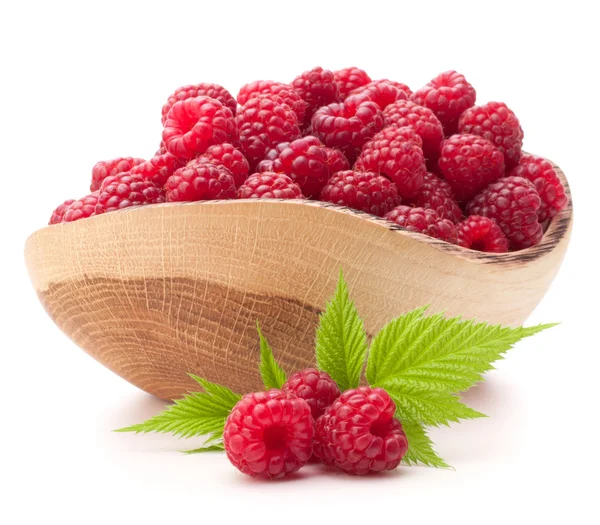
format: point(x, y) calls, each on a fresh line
point(156, 292)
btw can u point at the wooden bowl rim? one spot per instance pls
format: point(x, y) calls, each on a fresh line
point(556, 231)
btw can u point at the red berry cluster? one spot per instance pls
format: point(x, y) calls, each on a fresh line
point(273, 434)
point(430, 161)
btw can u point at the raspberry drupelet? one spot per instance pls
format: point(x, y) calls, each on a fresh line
point(544, 177)
point(125, 190)
point(495, 122)
point(194, 124)
point(200, 181)
point(347, 125)
point(348, 79)
point(304, 160)
point(469, 163)
point(315, 387)
point(362, 190)
point(358, 433)
point(481, 234)
point(269, 185)
point(106, 168)
point(396, 153)
point(59, 212)
point(513, 202)
point(269, 87)
point(204, 89)
point(336, 160)
point(263, 123)
point(423, 221)
point(448, 95)
point(269, 434)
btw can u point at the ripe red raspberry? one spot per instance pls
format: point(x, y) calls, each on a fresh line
point(495, 122)
point(317, 88)
point(200, 181)
point(81, 208)
point(269, 185)
point(396, 153)
point(336, 161)
point(263, 122)
point(447, 95)
point(269, 434)
point(481, 234)
point(382, 92)
point(423, 221)
point(158, 169)
point(304, 160)
point(194, 124)
point(422, 120)
point(348, 79)
point(315, 387)
point(232, 158)
point(513, 202)
point(270, 87)
point(436, 194)
point(58, 213)
point(125, 190)
point(546, 181)
point(358, 433)
point(347, 125)
point(203, 89)
point(469, 163)
point(106, 168)
point(362, 190)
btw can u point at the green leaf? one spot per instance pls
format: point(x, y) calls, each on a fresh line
point(196, 414)
point(217, 447)
point(341, 346)
point(273, 376)
point(430, 408)
point(435, 354)
point(420, 447)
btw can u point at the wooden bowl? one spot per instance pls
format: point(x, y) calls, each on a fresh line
point(156, 292)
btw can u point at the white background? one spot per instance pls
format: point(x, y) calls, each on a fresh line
point(85, 81)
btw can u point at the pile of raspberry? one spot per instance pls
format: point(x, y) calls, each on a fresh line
point(429, 161)
point(273, 434)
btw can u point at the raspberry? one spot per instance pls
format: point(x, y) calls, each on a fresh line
point(422, 120)
point(546, 181)
point(106, 168)
point(317, 88)
point(58, 213)
point(382, 92)
point(269, 185)
point(203, 89)
point(336, 160)
point(158, 169)
point(513, 202)
point(269, 434)
point(447, 95)
point(347, 125)
point(263, 122)
point(81, 208)
point(200, 181)
point(348, 79)
point(194, 124)
point(469, 163)
point(230, 157)
point(315, 387)
point(358, 433)
point(495, 122)
point(423, 221)
point(481, 234)
point(125, 190)
point(270, 87)
point(362, 190)
point(436, 194)
point(397, 154)
point(304, 161)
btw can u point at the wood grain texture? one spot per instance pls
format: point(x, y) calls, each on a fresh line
point(156, 292)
